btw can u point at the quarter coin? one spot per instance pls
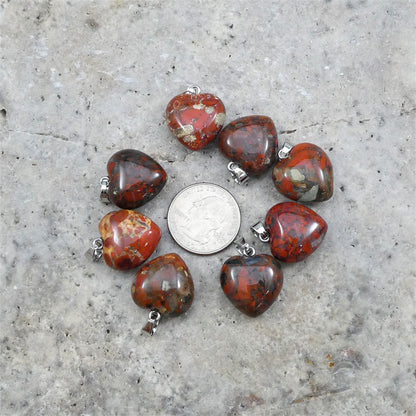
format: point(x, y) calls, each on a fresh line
point(204, 218)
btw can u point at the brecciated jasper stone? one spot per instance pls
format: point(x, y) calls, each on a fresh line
point(305, 175)
point(251, 142)
point(195, 119)
point(164, 284)
point(129, 238)
point(295, 231)
point(135, 178)
point(252, 284)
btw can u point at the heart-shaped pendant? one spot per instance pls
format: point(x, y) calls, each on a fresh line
point(129, 238)
point(164, 285)
point(304, 174)
point(134, 178)
point(195, 118)
point(253, 283)
point(295, 231)
point(251, 142)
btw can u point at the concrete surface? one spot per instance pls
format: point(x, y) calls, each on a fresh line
point(80, 80)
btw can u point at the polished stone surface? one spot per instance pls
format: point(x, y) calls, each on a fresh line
point(252, 283)
point(81, 80)
point(251, 142)
point(164, 284)
point(295, 231)
point(195, 119)
point(134, 178)
point(305, 175)
point(129, 238)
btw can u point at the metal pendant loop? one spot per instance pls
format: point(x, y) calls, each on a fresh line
point(244, 248)
point(105, 183)
point(153, 322)
point(194, 89)
point(238, 174)
point(285, 151)
point(97, 247)
point(260, 232)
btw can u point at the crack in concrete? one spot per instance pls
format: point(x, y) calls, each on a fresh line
point(317, 394)
point(49, 134)
point(307, 126)
point(404, 111)
point(186, 155)
point(341, 120)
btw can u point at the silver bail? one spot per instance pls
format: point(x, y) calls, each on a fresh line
point(260, 232)
point(285, 151)
point(193, 89)
point(240, 176)
point(244, 248)
point(153, 322)
point(96, 249)
point(105, 183)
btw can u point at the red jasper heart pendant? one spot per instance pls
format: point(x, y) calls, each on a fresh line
point(164, 285)
point(251, 142)
point(305, 174)
point(129, 238)
point(295, 231)
point(134, 178)
point(195, 119)
point(253, 283)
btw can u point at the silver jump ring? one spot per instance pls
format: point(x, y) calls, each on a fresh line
point(105, 180)
point(194, 89)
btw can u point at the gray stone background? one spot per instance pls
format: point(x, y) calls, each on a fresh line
point(80, 80)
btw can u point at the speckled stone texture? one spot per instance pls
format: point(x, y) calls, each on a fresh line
point(80, 80)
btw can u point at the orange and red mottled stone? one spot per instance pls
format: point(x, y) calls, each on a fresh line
point(135, 178)
point(253, 283)
point(251, 142)
point(295, 231)
point(305, 175)
point(164, 284)
point(195, 119)
point(129, 238)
